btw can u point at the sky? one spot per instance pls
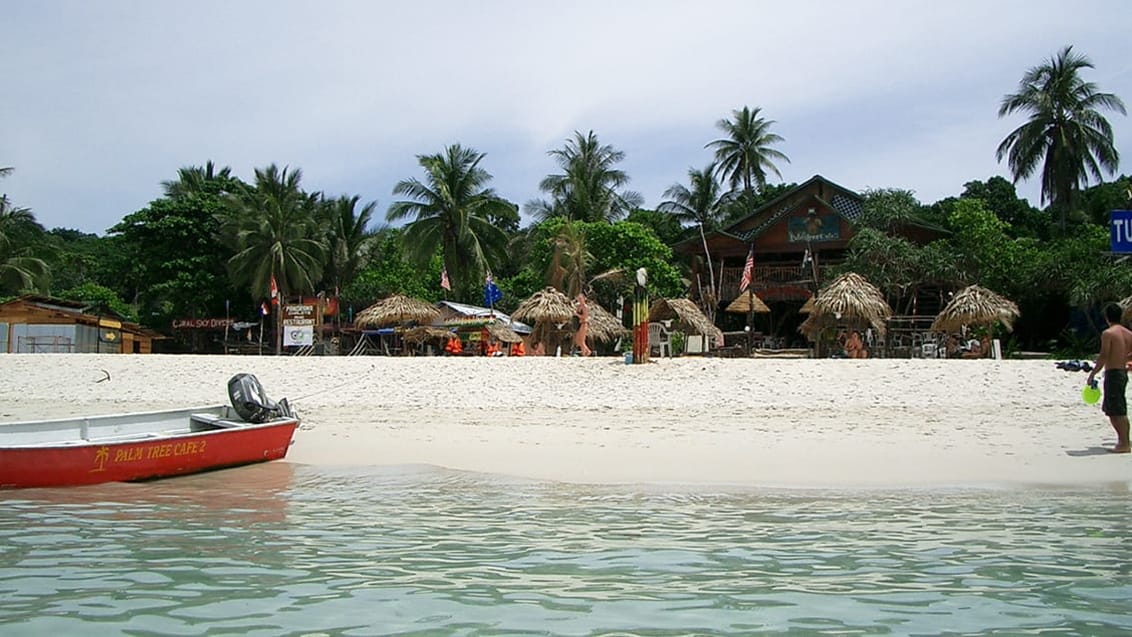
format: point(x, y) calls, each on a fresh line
point(105, 100)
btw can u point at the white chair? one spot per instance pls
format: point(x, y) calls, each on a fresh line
point(659, 340)
point(929, 350)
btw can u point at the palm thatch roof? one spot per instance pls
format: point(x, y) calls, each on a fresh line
point(547, 304)
point(974, 305)
point(807, 307)
point(502, 333)
point(549, 312)
point(742, 304)
point(605, 327)
point(396, 310)
point(850, 300)
point(687, 316)
point(425, 333)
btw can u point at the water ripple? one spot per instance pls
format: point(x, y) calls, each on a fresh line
point(284, 549)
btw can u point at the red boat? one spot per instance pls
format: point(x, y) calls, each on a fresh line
point(146, 445)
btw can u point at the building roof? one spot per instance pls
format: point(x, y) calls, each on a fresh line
point(476, 311)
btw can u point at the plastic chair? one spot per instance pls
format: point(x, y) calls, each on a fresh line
point(659, 340)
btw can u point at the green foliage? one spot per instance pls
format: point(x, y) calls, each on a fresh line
point(666, 227)
point(454, 213)
point(1065, 135)
point(168, 261)
point(99, 299)
point(744, 155)
point(589, 188)
point(391, 273)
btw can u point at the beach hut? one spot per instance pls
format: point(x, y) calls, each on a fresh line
point(849, 300)
point(380, 320)
point(549, 311)
point(686, 317)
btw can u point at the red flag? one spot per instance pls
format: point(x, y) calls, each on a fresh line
point(444, 279)
point(274, 291)
point(748, 270)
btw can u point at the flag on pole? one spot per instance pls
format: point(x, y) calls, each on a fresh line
point(748, 269)
point(263, 309)
point(274, 291)
point(444, 283)
point(491, 293)
point(806, 258)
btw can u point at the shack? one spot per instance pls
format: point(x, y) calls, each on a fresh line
point(41, 325)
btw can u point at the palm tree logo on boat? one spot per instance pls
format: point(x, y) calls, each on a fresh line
point(100, 459)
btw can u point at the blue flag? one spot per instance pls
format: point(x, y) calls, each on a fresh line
point(491, 293)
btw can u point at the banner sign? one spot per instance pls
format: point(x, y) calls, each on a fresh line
point(202, 323)
point(298, 335)
point(295, 314)
point(1120, 231)
point(813, 229)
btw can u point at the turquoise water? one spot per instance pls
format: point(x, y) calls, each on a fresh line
point(285, 549)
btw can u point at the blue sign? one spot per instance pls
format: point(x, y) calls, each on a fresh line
point(1121, 231)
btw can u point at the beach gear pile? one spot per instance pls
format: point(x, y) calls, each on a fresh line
point(1075, 366)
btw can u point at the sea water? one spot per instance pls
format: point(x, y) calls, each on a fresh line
point(282, 549)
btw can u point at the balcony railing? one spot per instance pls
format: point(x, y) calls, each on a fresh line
point(767, 277)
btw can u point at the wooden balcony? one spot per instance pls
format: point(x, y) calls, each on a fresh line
point(777, 281)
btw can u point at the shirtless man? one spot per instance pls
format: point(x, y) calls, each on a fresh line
point(1116, 349)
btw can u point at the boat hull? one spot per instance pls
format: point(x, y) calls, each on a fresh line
point(156, 457)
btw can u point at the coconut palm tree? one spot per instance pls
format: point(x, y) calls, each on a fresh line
point(274, 230)
point(351, 243)
point(587, 188)
point(1066, 134)
point(701, 202)
point(745, 155)
point(19, 269)
point(452, 212)
point(200, 180)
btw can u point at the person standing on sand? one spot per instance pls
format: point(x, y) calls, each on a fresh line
point(1116, 350)
point(583, 313)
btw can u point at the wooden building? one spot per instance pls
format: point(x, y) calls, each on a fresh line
point(795, 238)
point(40, 324)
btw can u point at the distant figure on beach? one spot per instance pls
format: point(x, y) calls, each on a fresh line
point(854, 348)
point(538, 349)
point(1116, 350)
point(975, 349)
point(583, 313)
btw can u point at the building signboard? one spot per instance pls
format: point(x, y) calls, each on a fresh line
point(1120, 231)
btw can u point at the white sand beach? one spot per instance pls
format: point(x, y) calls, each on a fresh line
point(762, 422)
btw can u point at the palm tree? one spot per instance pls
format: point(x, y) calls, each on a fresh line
point(1066, 133)
point(569, 260)
point(351, 242)
point(19, 269)
point(452, 212)
point(587, 189)
point(276, 236)
point(702, 203)
point(745, 154)
point(199, 180)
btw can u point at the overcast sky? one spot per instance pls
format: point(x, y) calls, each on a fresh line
point(104, 100)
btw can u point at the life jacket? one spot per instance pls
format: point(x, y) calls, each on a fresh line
point(518, 350)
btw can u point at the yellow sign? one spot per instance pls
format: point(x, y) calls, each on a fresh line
point(110, 323)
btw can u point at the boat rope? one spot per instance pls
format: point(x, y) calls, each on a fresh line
point(326, 389)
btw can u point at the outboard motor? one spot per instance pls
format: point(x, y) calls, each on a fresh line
point(251, 402)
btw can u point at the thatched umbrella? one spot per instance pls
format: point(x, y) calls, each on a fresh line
point(605, 327)
point(850, 300)
point(974, 305)
point(742, 304)
point(396, 310)
point(548, 310)
point(687, 317)
point(807, 307)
